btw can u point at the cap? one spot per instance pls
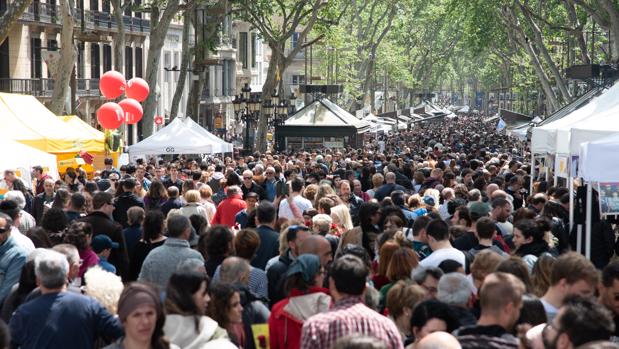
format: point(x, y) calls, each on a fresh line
point(479, 208)
point(102, 242)
point(428, 200)
point(306, 264)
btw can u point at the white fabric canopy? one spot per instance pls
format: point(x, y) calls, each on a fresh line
point(595, 157)
point(554, 137)
point(219, 145)
point(21, 158)
point(179, 137)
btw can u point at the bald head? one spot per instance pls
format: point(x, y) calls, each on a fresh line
point(318, 245)
point(491, 188)
point(439, 340)
point(234, 270)
point(498, 194)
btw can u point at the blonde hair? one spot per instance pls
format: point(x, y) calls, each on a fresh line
point(206, 192)
point(342, 214)
point(192, 196)
point(103, 286)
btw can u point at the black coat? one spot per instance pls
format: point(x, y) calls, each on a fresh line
point(38, 207)
point(123, 203)
point(276, 276)
point(102, 224)
point(269, 246)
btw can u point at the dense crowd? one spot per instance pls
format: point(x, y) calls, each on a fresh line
point(427, 238)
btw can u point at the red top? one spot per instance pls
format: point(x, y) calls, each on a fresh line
point(284, 328)
point(227, 210)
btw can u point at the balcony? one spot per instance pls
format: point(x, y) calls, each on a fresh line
point(93, 20)
point(44, 87)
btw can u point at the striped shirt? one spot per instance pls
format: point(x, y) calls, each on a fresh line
point(349, 316)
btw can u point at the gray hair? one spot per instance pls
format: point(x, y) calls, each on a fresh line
point(233, 190)
point(51, 268)
point(454, 289)
point(322, 222)
point(474, 195)
point(232, 269)
point(69, 251)
point(420, 274)
point(191, 265)
point(16, 196)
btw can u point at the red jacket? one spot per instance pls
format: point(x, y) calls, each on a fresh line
point(227, 210)
point(285, 326)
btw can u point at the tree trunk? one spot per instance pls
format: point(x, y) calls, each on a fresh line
point(269, 85)
point(539, 42)
point(119, 38)
point(577, 33)
point(158, 29)
point(67, 60)
point(613, 18)
point(15, 9)
point(182, 77)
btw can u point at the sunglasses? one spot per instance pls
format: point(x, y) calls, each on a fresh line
point(5, 230)
point(247, 178)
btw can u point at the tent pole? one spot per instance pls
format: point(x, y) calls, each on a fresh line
point(532, 172)
point(554, 166)
point(571, 189)
point(588, 221)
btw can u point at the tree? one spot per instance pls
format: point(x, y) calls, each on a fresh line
point(66, 63)
point(606, 14)
point(15, 9)
point(119, 38)
point(159, 23)
point(277, 21)
point(186, 54)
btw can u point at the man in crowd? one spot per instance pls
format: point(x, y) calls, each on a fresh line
point(43, 200)
point(347, 282)
point(303, 204)
point(125, 201)
point(454, 289)
point(229, 207)
point(100, 219)
point(389, 186)
point(173, 179)
point(438, 239)
point(10, 208)
point(140, 173)
point(269, 237)
point(109, 168)
point(609, 292)
point(270, 184)
point(163, 261)
point(428, 279)
point(40, 177)
point(500, 299)
point(76, 207)
point(352, 201)
point(57, 318)
point(12, 257)
point(249, 186)
point(242, 218)
point(571, 274)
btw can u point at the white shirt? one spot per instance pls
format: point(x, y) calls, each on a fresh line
point(22, 240)
point(301, 202)
point(438, 256)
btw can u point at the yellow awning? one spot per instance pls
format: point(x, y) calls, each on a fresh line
point(92, 140)
point(26, 120)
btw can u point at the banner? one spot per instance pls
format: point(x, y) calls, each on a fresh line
point(561, 166)
point(609, 198)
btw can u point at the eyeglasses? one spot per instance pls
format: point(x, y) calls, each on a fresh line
point(247, 178)
point(5, 230)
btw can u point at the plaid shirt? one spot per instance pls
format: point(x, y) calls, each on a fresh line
point(349, 316)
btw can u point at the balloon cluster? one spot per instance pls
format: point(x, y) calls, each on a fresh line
point(112, 85)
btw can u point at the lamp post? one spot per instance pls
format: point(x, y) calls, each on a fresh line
point(247, 109)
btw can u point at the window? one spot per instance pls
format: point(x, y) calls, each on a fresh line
point(107, 57)
point(139, 69)
point(166, 64)
point(95, 61)
point(128, 62)
point(231, 77)
point(254, 47)
point(243, 48)
point(298, 79)
point(295, 40)
point(128, 10)
point(138, 14)
point(94, 5)
point(106, 6)
point(35, 58)
point(52, 45)
point(224, 78)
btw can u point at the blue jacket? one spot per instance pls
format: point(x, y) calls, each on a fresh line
point(12, 259)
point(62, 320)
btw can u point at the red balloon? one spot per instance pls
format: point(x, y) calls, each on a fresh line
point(132, 110)
point(110, 115)
point(137, 89)
point(112, 84)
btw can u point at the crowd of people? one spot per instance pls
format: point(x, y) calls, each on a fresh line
point(427, 238)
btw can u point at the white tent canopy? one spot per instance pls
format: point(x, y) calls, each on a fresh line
point(219, 145)
point(22, 158)
point(554, 136)
point(179, 137)
point(595, 157)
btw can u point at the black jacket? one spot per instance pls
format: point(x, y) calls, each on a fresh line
point(38, 207)
point(255, 188)
point(255, 311)
point(276, 275)
point(123, 203)
point(269, 246)
point(102, 224)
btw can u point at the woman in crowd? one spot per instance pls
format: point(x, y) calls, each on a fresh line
point(341, 219)
point(225, 308)
point(529, 238)
point(306, 297)
point(206, 199)
point(142, 316)
point(157, 195)
point(79, 234)
point(401, 265)
point(387, 250)
point(377, 181)
point(61, 199)
point(367, 231)
point(193, 205)
point(187, 325)
point(152, 238)
point(218, 247)
point(133, 233)
point(401, 300)
point(54, 222)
